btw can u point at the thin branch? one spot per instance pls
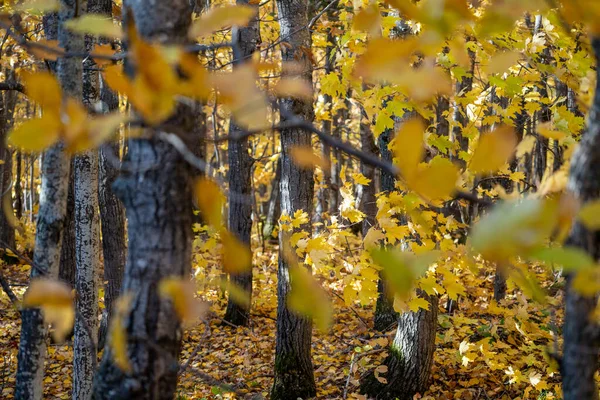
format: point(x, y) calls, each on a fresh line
point(11, 295)
point(12, 86)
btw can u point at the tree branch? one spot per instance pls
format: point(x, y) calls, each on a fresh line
point(12, 86)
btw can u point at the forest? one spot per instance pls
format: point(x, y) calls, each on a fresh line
point(298, 199)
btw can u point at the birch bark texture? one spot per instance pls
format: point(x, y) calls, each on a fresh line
point(50, 221)
point(156, 192)
point(294, 375)
point(87, 244)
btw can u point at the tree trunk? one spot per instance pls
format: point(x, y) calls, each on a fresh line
point(19, 186)
point(50, 222)
point(240, 182)
point(274, 206)
point(68, 266)
point(385, 316)
point(581, 332)
point(87, 244)
point(461, 119)
point(112, 212)
point(325, 194)
point(158, 203)
point(411, 356)
point(368, 200)
point(294, 376)
point(7, 110)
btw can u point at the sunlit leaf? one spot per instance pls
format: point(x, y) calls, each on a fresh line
point(493, 150)
point(569, 258)
point(117, 339)
point(221, 17)
point(292, 87)
point(43, 88)
point(182, 293)
point(236, 292)
point(515, 229)
point(236, 255)
point(95, 24)
point(409, 147)
point(402, 268)
point(36, 134)
point(307, 297)
point(589, 215)
point(238, 91)
point(46, 49)
point(305, 157)
point(38, 6)
point(587, 281)
point(56, 301)
point(502, 61)
point(210, 201)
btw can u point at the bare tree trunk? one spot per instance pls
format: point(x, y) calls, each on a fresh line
point(68, 266)
point(581, 333)
point(8, 101)
point(240, 182)
point(158, 202)
point(87, 244)
point(385, 316)
point(112, 212)
point(411, 356)
point(294, 375)
point(461, 119)
point(324, 195)
point(368, 200)
point(50, 223)
point(274, 206)
point(19, 186)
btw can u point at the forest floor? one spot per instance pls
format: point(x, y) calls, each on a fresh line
point(483, 350)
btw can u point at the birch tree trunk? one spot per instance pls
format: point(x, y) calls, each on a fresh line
point(581, 333)
point(66, 272)
point(156, 193)
point(240, 181)
point(50, 222)
point(294, 376)
point(87, 245)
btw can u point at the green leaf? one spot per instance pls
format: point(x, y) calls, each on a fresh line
point(308, 298)
point(570, 258)
point(589, 215)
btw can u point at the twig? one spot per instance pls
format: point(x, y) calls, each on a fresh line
point(349, 375)
point(11, 295)
point(12, 86)
point(351, 308)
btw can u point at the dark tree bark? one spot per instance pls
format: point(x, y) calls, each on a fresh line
point(112, 212)
point(50, 222)
point(385, 316)
point(19, 186)
point(158, 203)
point(324, 194)
point(67, 268)
point(582, 334)
point(274, 206)
point(411, 356)
point(240, 182)
point(8, 100)
point(367, 198)
point(294, 375)
point(461, 119)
